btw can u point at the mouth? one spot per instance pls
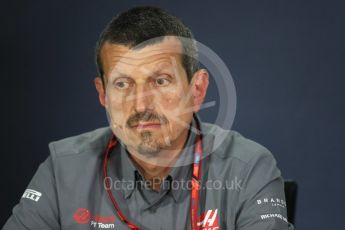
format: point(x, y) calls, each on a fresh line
point(146, 125)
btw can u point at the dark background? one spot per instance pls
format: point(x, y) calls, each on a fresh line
point(286, 57)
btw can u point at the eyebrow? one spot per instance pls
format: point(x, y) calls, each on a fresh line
point(116, 75)
point(154, 73)
point(159, 71)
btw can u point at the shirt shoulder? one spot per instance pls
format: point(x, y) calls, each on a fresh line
point(230, 145)
point(82, 143)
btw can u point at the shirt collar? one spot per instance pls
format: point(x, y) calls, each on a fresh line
point(130, 174)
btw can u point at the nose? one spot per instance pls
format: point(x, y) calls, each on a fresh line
point(143, 99)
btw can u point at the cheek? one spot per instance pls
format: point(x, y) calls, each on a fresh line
point(176, 104)
point(169, 101)
point(174, 99)
point(119, 107)
point(177, 107)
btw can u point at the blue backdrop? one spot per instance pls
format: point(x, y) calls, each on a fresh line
point(286, 57)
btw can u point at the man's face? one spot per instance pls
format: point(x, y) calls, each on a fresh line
point(147, 94)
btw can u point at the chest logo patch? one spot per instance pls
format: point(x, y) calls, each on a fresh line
point(84, 216)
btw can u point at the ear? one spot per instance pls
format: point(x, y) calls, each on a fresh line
point(100, 89)
point(199, 88)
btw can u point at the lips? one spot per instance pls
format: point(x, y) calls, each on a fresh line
point(147, 125)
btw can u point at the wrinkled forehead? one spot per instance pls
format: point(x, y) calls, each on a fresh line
point(118, 58)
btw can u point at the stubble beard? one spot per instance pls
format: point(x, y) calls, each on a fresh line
point(148, 146)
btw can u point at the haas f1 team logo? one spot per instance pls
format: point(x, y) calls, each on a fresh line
point(82, 216)
point(209, 220)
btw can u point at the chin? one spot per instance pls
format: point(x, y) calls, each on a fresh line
point(148, 151)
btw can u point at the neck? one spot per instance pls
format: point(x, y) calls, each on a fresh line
point(155, 169)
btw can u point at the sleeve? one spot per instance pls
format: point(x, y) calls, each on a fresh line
point(38, 207)
point(263, 205)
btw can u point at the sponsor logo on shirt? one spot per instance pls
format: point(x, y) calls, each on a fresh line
point(209, 220)
point(32, 195)
point(274, 215)
point(272, 201)
point(84, 216)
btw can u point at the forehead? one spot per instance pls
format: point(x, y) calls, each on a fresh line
point(164, 54)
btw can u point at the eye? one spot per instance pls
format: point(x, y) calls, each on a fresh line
point(122, 84)
point(162, 81)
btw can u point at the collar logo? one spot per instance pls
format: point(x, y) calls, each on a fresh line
point(209, 220)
